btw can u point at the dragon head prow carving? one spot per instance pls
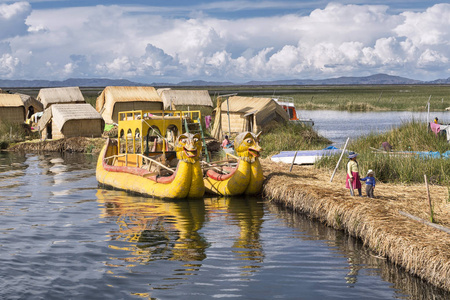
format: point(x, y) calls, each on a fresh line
point(247, 146)
point(188, 147)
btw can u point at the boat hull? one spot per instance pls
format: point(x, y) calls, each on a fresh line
point(187, 181)
point(247, 178)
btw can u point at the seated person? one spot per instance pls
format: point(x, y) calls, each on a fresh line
point(386, 146)
point(226, 143)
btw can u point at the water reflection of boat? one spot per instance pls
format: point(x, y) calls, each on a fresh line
point(128, 163)
point(247, 213)
point(156, 229)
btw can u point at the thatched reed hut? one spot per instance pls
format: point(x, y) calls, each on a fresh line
point(12, 109)
point(50, 96)
point(31, 104)
point(195, 99)
point(71, 120)
point(115, 99)
point(250, 114)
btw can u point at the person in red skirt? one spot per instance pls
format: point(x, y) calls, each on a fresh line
point(352, 181)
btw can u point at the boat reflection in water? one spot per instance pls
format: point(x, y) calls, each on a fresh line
point(247, 214)
point(155, 229)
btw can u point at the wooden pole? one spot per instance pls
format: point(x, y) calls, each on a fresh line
point(442, 228)
point(350, 184)
point(228, 114)
point(292, 164)
point(428, 113)
point(339, 161)
point(429, 199)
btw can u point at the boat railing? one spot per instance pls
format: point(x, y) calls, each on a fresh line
point(136, 115)
point(217, 165)
point(194, 115)
point(145, 158)
point(231, 155)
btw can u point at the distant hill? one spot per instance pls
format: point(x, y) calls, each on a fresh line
point(81, 82)
point(441, 81)
point(202, 83)
point(372, 79)
point(102, 82)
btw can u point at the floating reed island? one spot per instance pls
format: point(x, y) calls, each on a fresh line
point(420, 249)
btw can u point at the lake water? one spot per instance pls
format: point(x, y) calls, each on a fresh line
point(62, 237)
point(337, 126)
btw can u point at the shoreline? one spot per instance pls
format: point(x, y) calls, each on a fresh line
point(420, 249)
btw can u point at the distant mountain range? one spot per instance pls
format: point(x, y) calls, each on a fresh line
point(102, 82)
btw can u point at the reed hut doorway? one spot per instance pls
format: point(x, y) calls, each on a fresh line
point(49, 131)
point(249, 121)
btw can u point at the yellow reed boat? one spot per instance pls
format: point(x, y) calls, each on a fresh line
point(246, 177)
point(128, 164)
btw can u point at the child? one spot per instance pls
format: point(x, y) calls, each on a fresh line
point(370, 183)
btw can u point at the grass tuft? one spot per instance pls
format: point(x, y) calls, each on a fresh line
point(291, 136)
point(410, 136)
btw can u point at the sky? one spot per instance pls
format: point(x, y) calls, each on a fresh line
point(169, 41)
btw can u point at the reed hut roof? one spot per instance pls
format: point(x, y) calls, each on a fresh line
point(61, 113)
point(10, 100)
point(49, 96)
point(185, 97)
point(112, 94)
point(262, 107)
point(31, 101)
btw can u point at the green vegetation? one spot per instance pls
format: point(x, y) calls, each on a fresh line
point(411, 136)
point(291, 137)
point(355, 97)
point(14, 133)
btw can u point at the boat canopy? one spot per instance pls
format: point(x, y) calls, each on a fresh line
point(141, 126)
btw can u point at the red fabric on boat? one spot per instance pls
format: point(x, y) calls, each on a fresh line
point(136, 171)
point(220, 177)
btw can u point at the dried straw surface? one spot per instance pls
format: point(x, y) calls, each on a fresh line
point(73, 144)
point(184, 97)
point(420, 249)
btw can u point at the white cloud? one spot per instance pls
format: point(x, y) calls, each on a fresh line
point(134, 43)
point(7, 65)
point(430, 27)
point(12, 19)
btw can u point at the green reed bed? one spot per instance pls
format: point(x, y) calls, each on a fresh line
point(291, 136)
point(11, 133)
point(367, 97)
point(398, 167)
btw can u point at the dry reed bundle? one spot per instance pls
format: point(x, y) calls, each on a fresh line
point(420, 249)
point(74, 144)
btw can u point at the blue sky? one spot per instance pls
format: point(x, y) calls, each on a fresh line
point(238, 41)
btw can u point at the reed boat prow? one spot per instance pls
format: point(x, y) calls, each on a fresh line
point(244, 178)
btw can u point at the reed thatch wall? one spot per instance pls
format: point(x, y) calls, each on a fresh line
point(422, 250)
point(12, 109)
point(115, 99)
point(50, 96)
point(246, 112)
point(71, 120)
point(29, 101)
point(174, 98)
